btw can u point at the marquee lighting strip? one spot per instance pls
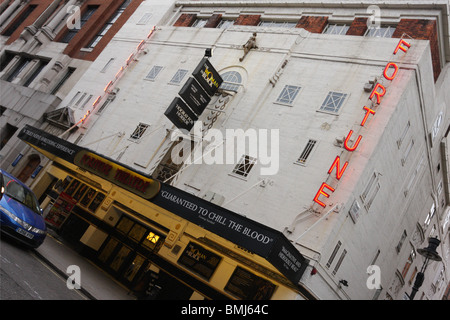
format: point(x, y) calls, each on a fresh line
point(110, 86)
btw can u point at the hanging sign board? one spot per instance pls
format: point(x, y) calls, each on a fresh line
point(194, 95)
point(207, 76)
point(179, 113)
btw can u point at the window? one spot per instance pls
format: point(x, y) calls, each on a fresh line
point(407, 152)
point(153, 73)
point(333, 102)
point(244, 166)
point(370, 191)
point(40, 67)
point(381, 32)
point(400, 243)
point(277, 24)
point(179, 75)
point(288, 94)
point(145, 18)
point(231, 81)
point(402, 137)
point(5, 60)
point(408, 263)
point(19, 21)
point(139, 131)
point(307, 151)
point(108, 24)
point(436, 125)
point(107, 65)
point(224, 24)
point(333, 255)
point(18, 69)
point(199, 23)
point(84, 18)
point(429, 216)
point(338, 264)
point(336, 29)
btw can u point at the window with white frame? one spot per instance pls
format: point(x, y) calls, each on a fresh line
point(333, 102)
point(339, 29)
point(277, 24)
point(199, 23)
point(154, 73)
point(178, 76)
point(288, 94)
point(224, 24)
point(244, 166)
point(139, 131)
point(232, 80)
point(381, 31)
point(307, 150)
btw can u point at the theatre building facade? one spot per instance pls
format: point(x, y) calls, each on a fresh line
point(158, 240)
point(255, 150)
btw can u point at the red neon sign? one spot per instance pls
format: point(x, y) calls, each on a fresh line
point(389, 73)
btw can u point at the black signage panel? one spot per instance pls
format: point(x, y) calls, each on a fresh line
point(207, 76)
point(199, 260)
point(194, 95)
point(179, 113)
point(255, 237)
point(48, 142)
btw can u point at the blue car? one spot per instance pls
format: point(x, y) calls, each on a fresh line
point(20, 214)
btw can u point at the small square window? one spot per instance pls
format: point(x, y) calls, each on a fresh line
point(153, 73)
point(178, 77)
point(333, 102)
point(139, 131)
point(244, 166)
point(288, 94)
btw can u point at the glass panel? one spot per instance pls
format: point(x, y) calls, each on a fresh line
point(137, 232)
point(125, 225)
point(120, 258)
point(107, 250)
point(134, 267)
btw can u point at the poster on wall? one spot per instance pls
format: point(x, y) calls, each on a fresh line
point(248, 286)
point(60, 210)
point(199, 260)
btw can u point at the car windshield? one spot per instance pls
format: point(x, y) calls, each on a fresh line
point(20, 194)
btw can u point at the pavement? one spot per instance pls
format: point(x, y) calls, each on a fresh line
point(95, 283)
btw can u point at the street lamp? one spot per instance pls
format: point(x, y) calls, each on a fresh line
point(429, 253)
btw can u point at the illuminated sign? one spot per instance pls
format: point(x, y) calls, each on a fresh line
point(130, 180)
point(207, 76)
point(389, 73)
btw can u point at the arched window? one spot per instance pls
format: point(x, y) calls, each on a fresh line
point(231, 81)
